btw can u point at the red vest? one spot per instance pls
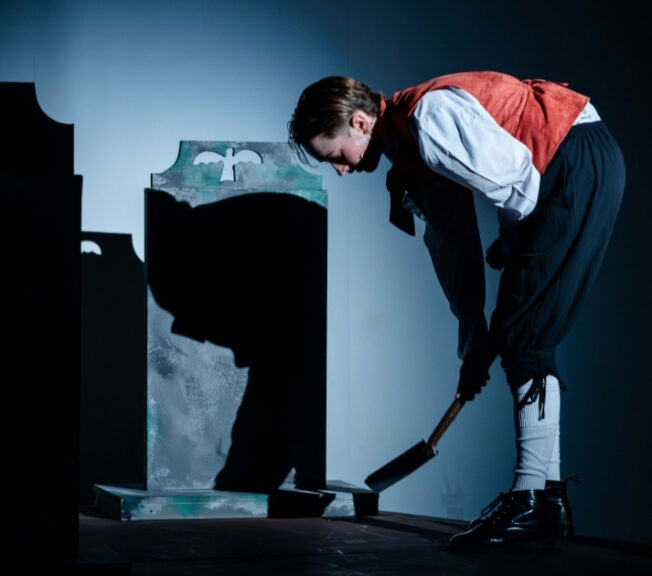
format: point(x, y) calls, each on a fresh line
point(536, 112)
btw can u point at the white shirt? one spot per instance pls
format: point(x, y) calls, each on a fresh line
point(460, 140)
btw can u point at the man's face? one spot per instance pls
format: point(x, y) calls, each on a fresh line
point(352, 150)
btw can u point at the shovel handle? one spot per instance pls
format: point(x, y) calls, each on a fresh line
point(444, 423)
point(451, 413)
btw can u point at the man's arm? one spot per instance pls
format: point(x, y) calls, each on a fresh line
point(453, 241)
point(459, 139)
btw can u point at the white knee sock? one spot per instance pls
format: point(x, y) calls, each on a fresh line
point(537, 423)
point(554, 466)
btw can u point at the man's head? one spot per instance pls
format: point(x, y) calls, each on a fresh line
point(333, 122)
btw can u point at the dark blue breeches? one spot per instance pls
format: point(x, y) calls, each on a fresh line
point(555, 254)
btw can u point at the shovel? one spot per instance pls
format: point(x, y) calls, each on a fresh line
point(413, 458)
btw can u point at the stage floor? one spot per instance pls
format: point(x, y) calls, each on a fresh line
point(383, 544)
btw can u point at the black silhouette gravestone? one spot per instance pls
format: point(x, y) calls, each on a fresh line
point(113, 372)
point(40, 226)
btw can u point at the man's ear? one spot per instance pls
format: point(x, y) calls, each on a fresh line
point(361, 122)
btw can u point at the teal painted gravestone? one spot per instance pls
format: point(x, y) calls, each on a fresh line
point(236, 246)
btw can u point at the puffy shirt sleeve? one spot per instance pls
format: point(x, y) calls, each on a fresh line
point(460, 140)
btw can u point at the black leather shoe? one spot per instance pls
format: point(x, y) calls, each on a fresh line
point(516, 518)
point(561, 516)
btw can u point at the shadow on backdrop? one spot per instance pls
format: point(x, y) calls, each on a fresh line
point(249, 273)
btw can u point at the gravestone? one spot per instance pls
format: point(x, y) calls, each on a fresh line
point(236, 274)
point(236, 270)
point(112, 394)
point(40, 227)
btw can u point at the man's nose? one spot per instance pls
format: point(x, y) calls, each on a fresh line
point(341, 169)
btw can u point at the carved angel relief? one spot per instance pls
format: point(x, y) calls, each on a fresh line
point(229, 161)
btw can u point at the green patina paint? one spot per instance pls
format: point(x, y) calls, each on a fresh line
point(152, 427)
point(199, 176)
point(184, 504)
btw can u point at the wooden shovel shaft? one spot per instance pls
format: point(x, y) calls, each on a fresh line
point(415, 457)
point(444, 423)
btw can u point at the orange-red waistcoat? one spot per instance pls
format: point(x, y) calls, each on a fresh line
point(539, 113)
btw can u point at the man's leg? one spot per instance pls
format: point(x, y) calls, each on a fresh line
point(553, 258)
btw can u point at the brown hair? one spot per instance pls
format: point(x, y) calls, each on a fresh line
point(326, 106)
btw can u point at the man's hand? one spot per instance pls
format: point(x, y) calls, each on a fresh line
point(474, 374)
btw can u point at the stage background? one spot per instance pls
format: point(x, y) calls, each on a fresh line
point(136, 78)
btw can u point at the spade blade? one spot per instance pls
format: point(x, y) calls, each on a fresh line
point(400, 467)
point(415, 457)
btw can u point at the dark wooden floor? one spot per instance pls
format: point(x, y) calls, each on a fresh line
point(385, 544)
